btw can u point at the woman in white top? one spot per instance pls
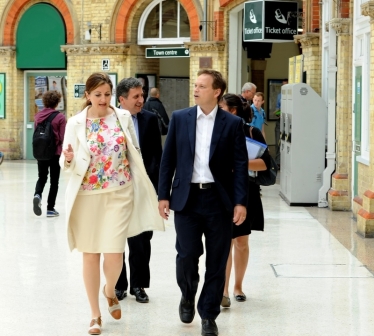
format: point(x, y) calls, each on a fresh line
point(107, 183)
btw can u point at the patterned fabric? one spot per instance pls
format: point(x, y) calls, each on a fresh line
point(109, 167)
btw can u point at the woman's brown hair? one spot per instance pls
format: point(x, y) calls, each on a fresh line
point(94, 81)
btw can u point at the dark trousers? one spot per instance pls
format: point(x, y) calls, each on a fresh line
point(139, 256)
point(277, 142)
point(205, 215)
point(44, 167)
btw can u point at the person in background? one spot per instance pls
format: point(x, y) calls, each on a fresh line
point(1, 157)
point(50, 101)
point(130, 96)
point(277, 113)
point(239, 252)
point(102, 153)
point(248, 91)
point(154, 104)
point(259, 118)
point(205, 167)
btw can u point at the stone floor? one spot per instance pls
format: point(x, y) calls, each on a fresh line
point(309, 274)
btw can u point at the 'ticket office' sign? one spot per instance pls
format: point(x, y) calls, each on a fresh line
point(270, 21)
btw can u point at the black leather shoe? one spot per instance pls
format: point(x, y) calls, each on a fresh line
point(209, 327)
point(140, 294)
point(121, 294)
point(186, 310)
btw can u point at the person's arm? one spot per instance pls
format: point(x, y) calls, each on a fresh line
point(167, 169)
point(68, 163)
point(240, 166)
point(263, 130)
point(256, 164)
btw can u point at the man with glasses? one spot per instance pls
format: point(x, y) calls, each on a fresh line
point(248, 91)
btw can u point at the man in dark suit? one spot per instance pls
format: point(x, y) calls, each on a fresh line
point(130, 96)
point(206, 154)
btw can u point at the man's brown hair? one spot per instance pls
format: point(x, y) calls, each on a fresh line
point(218, 81)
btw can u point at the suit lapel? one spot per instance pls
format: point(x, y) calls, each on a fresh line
point(191, 128)
point(141, 128)
point(219, 125)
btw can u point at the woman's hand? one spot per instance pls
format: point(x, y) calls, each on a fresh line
point(69, 154)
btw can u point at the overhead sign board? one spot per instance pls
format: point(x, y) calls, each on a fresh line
point(166, 52)
point(270, 21)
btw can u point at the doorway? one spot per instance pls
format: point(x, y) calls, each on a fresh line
point(35, 84)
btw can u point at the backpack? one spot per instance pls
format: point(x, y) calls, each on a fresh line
point(161, 123)
point(43, 140)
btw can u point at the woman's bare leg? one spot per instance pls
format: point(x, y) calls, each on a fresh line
point(91, 278)
point(113, 263)
point(228, 272)
point(241, 256)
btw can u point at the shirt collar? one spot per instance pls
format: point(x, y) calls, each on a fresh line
point(212, 114)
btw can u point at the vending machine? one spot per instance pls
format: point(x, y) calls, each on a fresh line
point(302, 146)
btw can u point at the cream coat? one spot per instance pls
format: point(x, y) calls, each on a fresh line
point(145, 216)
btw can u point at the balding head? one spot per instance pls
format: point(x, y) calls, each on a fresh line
point(155, 92)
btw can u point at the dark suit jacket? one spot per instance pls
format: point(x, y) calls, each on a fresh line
point(228, 159)
point(150, 144)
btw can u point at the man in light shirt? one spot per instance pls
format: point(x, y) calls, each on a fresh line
point(206, 154)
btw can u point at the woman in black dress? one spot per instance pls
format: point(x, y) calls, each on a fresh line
point(255, 216)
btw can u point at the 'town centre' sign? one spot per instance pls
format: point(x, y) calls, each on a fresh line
point(270, 21)
point(166, 52)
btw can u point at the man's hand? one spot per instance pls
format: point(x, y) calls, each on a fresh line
point(240, 213)
point(163, 209)
point(69, 153)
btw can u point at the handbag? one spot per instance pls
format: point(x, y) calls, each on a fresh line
point(266, 177)
point(269, 176)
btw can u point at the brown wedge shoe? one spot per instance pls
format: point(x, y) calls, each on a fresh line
point(226, 302)
point(95, 326)
point(114, 306)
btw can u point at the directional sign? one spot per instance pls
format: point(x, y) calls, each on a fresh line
point(79, 90)
point(166, 52)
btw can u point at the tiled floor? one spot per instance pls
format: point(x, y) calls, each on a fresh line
point(309, 274)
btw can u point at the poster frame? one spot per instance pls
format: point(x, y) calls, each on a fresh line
point(272, 97)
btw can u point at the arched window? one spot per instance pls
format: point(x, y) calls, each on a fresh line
point(164, 22)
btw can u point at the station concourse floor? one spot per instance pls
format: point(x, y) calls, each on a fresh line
point(309, 273)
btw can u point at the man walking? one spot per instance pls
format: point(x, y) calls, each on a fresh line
point(206, 154)
point(51, 166)
point(130, 96)
point(248, 92)
point(154, 104)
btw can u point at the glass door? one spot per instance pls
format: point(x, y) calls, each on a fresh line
point(35, 84)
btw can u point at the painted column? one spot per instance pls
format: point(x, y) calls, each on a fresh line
point(214, 52)
point(310, 43)
point(365, 213)
point(83, 60)
point(12, 128)
point(339, 196)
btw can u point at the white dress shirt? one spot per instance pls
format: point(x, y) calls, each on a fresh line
point(204, 130)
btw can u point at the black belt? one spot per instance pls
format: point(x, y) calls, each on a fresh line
point(202, 185)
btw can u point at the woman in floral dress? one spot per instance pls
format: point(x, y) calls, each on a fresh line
point(109, 196)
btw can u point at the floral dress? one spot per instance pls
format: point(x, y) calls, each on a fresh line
point(109, 168)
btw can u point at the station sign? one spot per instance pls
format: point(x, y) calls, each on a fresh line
point(270, 21)
point(166, 52)
point(79, 90)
